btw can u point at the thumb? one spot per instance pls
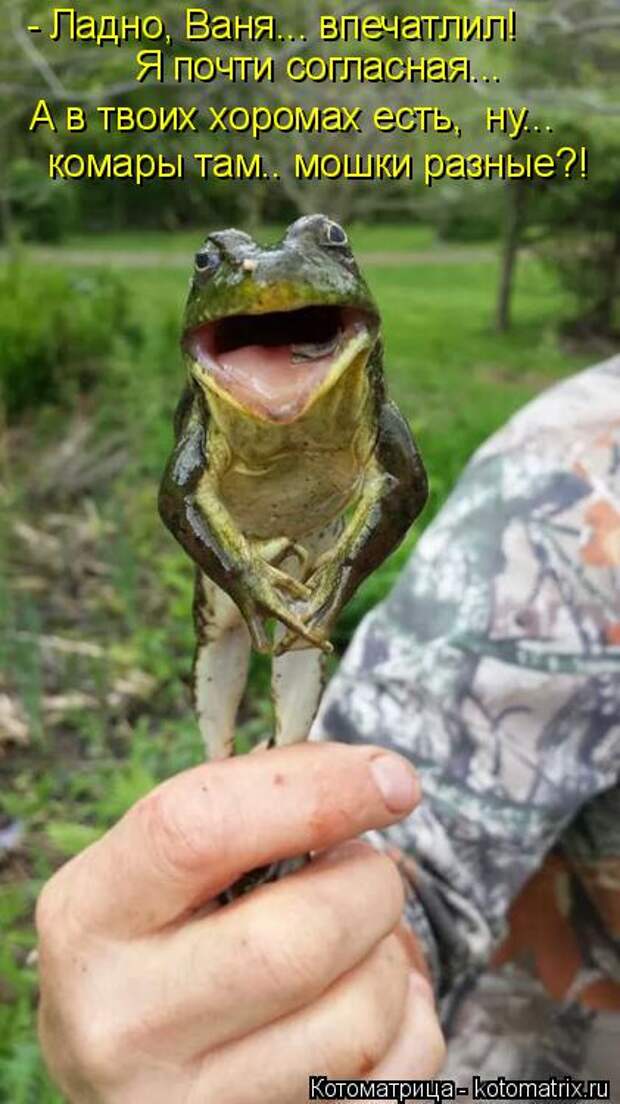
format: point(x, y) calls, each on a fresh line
point(198, 832)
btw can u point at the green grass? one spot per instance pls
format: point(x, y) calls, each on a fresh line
point(454, 378)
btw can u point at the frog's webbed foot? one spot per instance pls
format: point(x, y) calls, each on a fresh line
point(326, 585)
point(280, 579)
point(256, 626)
point(257, 597)
point(279, 549)
point(292, 641)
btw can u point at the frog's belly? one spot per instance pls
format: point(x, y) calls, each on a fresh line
point(291, 496)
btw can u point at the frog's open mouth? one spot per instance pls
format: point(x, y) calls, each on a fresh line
point(276, 363)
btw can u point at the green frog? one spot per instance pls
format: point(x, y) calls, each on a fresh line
point(293, 475)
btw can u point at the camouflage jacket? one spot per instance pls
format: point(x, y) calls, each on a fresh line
point(494, 665)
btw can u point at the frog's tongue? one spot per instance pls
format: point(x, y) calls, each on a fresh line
point(271, 379)
point(276, 378)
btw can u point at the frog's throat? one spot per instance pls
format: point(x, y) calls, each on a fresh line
point(267, 382)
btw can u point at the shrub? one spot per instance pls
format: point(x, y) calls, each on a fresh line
point(579, 220)
point(589, 268)
point(461, 217)
point(43, 209)
point(56, 330)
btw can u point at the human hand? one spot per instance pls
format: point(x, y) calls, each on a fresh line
point(152, 993)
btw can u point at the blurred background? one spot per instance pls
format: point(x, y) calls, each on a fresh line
point(489, 292)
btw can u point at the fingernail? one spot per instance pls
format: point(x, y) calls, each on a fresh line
point(396, 781)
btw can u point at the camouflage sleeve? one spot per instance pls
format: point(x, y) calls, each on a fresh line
point(494, 666)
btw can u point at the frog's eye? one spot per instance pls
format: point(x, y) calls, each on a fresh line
point(206, 260)
point(335, 235)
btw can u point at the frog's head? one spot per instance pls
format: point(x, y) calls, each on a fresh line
point(272, 329)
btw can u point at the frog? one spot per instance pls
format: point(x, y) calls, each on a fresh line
point(293, 473)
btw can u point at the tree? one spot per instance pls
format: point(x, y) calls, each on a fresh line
point(565, 64)
point(583, 239)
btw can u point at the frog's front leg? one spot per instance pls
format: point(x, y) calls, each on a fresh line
point(191, 507)
point(393, 492)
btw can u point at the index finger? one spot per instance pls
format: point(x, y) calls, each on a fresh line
point(198, 832)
